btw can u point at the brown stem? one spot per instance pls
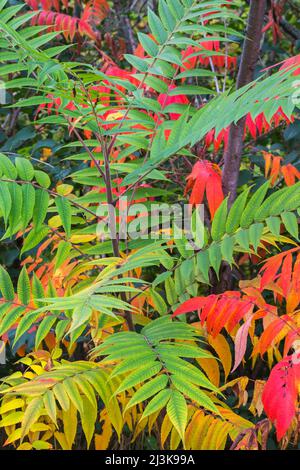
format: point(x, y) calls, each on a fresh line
point(112, 226)
point(289, 29)
point(250, 55)
point(121, 12)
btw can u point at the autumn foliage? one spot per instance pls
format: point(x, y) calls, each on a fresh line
point(148, 342)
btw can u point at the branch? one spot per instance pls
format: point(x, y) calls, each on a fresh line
point(289, 29)
point(250, 55)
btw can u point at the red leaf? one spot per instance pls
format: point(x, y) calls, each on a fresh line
point(209, 307)
point(286, 274)
point(190, 305)
point(165, 100)
point(214, 193)
point(240, 342)
point(270, 269)
point(292, 62)
point(270, 333)
point(205, 176)
point(280, 394)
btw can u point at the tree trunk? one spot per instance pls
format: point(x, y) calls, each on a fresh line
point(234, 148)
point(250, 55)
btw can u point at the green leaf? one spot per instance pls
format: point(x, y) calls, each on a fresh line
point(10, 319)
point(219, 221)
point(148, 390)
point(44, 328)
point(193, 393)
point(138, 376)
point(34, 101)
point(37, 291)
point(191, 90)
point(227, 246)
point(166, 16)
point(25, 324)
point(136, 62)
point(62, 253)
point(80, 316)
point(40, 207)
point(7, 167)
point(157, 403)
point(170, 291)
point(6, 285)
point(156, 27)
point(255, 202)
point(34, 238)
point(203, 264)
point(15, 215)
point(23, 287)
point(25, 169)
point(242, 238)
point(86, 389)
point(291, 223)
point(5, 202)
point(273, 224)
point(65, 213)
point(215, 257)
point(73, 393)
point(236, 211)
point(148, 44)
point(42, 178)
point(28, 204)
point(158, 302)
point(177, 412)
point(61, 396)
point(255, 234)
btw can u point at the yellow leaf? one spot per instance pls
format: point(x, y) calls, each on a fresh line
point(41, 445)
point(14, 436)
point(222, 349)
point(55, 221)
point(256, 406)
point(165, 429)
point(12, 418)
point(211, 368)
point(114, 116)
point(209, 438)
point(88, 419)
point(38, 427)
point(64, 189)
point(11, 405)
point(29, 375)
point(61, 438)
point(31, 415)
point(174, 440)
point(82, 238)
point(50, 405)
point(37, 369)
point(102, 440)
point(69, 418)
point(25, 446)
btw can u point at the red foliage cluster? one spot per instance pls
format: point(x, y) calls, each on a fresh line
point(280, 393)
point(92, 15)
point(274, 169)
point(193, 57)
point(205, 178)
point(219, 311)
point(255, 127)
